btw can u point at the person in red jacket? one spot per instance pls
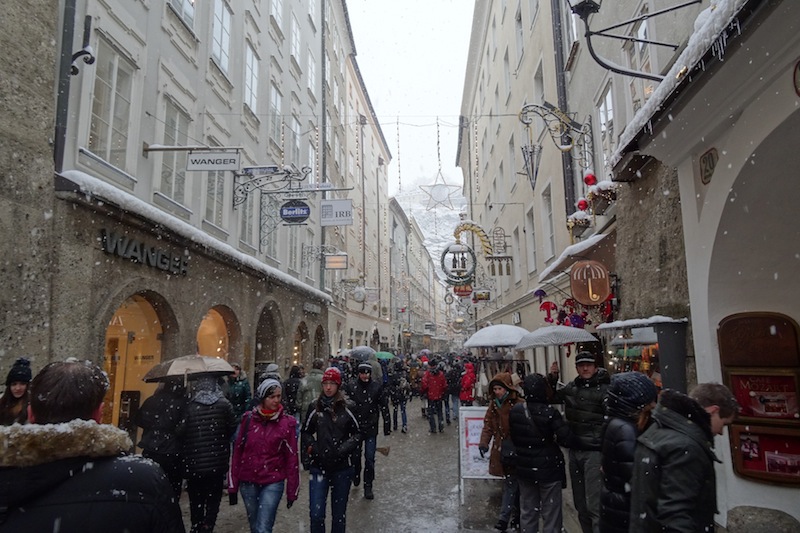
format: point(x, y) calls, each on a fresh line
point(468, 380)
point(265, 459)
point(434, 386)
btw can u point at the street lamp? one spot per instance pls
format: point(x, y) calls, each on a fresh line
point(585, 8)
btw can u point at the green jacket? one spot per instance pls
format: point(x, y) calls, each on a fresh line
point(673, 488)
point(310, 391)
point(584, 407)
point(238, 394)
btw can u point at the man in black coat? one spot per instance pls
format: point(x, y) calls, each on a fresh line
point(67, 472)
point(369, 401)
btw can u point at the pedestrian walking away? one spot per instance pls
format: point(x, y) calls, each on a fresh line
point(65, 471)
point(329, 444)
point(159, 417)
point(674, 487)
point(629, 401)
point(399, 392)
point(369, 402)
point(290, 394)
point(238, 391)
point(311, 388)
point(495, 431)
point(583, 400)
point(265, 460)
point(537, 430)
point(434, 388)
point(206, 435)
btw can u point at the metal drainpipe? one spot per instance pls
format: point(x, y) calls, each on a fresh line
point(324, 135)
point(563, 104)
point(62, 98)
point(362, 120)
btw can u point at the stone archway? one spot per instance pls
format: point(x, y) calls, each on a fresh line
point(269, 334)
point(219, 334)
point(320, 350)
point(301, 350)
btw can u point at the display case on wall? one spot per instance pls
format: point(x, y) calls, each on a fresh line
point(760, 359)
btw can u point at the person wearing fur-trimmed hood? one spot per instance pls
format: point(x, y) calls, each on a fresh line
point(67, 472)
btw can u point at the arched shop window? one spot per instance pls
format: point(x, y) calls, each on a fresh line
point(132, 347)
point(213, 338)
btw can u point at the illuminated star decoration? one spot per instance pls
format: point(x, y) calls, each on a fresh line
point(440, 193)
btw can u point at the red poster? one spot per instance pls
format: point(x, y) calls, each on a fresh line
point(771, 396)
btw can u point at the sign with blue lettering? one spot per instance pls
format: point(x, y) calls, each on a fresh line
point(295, 211)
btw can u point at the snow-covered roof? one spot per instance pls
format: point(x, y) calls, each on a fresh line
point(95, 187)
point(708, 26)
point(572, 251)
point(640, 322)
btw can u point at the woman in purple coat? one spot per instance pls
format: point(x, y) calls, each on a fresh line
point(265, 461)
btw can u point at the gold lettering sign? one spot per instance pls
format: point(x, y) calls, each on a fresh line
point(589, 283)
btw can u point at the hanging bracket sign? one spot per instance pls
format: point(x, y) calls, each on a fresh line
point(295, 211)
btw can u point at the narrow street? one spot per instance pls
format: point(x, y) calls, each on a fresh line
point(416, 490)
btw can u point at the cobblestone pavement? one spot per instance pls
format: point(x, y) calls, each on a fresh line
point(416, 490)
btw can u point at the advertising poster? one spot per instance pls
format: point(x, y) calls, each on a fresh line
point(762, 395)
point(472, 465)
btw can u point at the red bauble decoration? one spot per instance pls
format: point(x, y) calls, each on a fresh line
point(590, 179)
point(583, 204)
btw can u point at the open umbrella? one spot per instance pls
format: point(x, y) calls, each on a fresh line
point(554, 336)
point(188, 366)
point(362, 353)
point(496, 335)
point(385, 355)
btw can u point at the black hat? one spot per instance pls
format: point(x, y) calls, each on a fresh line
point(365, 367)
point(21, 371)
point(585, 357)
point(632, 390)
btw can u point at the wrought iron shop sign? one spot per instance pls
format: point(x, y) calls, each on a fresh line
point(295, 211)
point(144, 254)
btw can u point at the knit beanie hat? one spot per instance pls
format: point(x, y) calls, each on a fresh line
point(585, 357)
point(364, 367)
point(332, 374)
point(21, 371)
point(267, 387)
point(631, 390)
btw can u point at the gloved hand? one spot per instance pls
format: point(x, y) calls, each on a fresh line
point(233, 498)
point(289, 504)
point(483, 450)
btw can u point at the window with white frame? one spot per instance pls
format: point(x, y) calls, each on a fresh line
point(514, 264)
point(294, 244)
point(251, 78)
point(221, 34)
point(312, 163)
point(547, 223)
point(295, 39)
point(519, 32)
point(605, 121)
point(185, 10)
point(311, 265)
point(111, 106)
point(173, 163)
point(215, 197)
point(638, 55)
point(276, 10)
point(530, 225)
point(269, 241)
point(538, 97)
point(311, 69)
point(275, 113)
point(296, 141)
point(246, 219)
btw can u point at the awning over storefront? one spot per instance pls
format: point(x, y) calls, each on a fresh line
point(597, 247)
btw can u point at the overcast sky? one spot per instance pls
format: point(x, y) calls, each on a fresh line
point(412, 55)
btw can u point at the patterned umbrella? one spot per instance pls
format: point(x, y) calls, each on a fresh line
point(554, 336)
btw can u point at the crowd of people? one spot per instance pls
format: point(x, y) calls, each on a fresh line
point(629, 445)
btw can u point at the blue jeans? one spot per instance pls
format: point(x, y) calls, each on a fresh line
point(261, 503)
point(369, 444)
point(510, 503)
point(339, 484)
point(402, 405)
point(435, 407)
point(454, 402)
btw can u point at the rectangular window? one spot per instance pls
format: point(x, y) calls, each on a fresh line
point(276, 10)
point(507, 72)
point(173, 164)
point(246, 220)
point(311, 68)
point(515, 264)
point(221, 34)
point(269, 213)
point(111, 106)
point(294, 264)
point(296, 39)
point(296, 141)
point(185, 10)
point(538, 97)
point(275, 113)
point(520, 34)
point(638, 55)
point(531, 231)
point(215, 197)
point(251, 79)
point(605, 114)
point(547, 221)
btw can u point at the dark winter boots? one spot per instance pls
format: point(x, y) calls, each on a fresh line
point(368, 492)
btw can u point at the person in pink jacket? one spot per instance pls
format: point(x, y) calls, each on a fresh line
point(265, 460)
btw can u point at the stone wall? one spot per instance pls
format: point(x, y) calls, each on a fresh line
point(27, 117)
point(650, 255)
